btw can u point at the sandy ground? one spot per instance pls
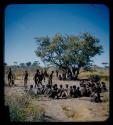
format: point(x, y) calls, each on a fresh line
point(64, 110)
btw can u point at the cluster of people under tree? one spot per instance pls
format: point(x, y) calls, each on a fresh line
point(66, 76)
point(88, 88)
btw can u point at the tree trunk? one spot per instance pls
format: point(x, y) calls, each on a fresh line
point(77, 73)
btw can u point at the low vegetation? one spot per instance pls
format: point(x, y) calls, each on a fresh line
point(22, 109)
point(102, 73)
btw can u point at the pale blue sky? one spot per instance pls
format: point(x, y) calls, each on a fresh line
point(24, 22)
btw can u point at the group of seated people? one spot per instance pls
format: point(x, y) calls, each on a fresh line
point(65, 76)
point(86, 89)
point(92, 89)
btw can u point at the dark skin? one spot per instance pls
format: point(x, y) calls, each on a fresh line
point(25, 78)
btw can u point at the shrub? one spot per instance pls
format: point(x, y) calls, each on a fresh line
point(21, 109)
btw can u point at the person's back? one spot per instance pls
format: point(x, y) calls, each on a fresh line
point(78, 92)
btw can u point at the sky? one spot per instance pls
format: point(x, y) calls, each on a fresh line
point(24, 22)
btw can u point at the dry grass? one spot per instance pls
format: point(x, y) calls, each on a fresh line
point(104, 74)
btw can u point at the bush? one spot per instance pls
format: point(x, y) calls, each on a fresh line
point(21, 109)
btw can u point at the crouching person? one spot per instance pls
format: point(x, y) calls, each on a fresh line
point(95, 97)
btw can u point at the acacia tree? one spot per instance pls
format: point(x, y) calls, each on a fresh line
point(28, 64)
point(69, 53)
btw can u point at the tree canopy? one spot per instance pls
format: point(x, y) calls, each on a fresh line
point(68, 52)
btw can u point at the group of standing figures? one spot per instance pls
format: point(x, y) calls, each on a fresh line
point(88, 88)
point(38, 77)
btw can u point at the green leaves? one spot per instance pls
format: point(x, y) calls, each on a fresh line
point(69, 50)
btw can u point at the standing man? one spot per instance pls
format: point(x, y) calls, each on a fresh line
point(10, 77)
point(50, 78)
point(40, 77)
point(25, 78)
point(36, 78)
